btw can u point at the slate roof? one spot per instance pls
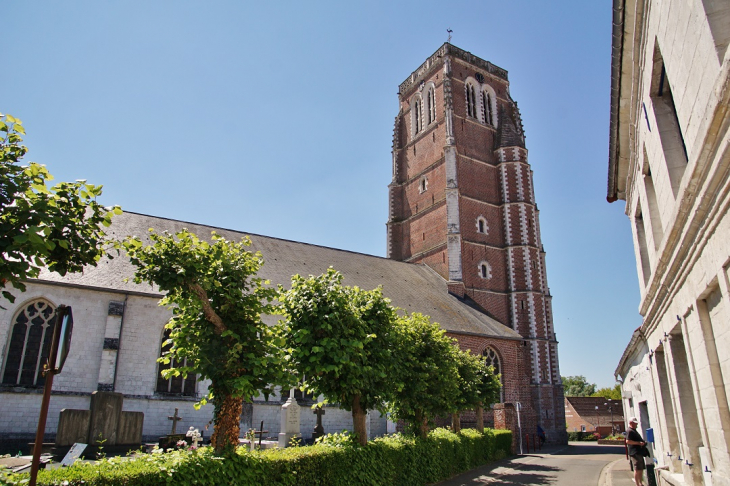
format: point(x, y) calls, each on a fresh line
point(586, 408)
point(412, 287)
point(509, 132)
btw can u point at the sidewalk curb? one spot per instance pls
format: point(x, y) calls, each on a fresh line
point(604, 479)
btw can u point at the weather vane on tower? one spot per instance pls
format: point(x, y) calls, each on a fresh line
point(450, 32)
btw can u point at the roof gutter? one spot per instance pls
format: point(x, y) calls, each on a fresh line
point(617, 44)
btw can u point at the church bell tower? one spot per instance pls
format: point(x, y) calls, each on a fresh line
point(462, 202)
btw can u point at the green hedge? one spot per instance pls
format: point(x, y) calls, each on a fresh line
point(389, 460)
point(582, 436)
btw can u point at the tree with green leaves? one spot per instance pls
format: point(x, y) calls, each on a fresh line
point(577, 386)
point(479, 385)
point(428, 371)
point(614, 393)
point(216, 328)
point(58, 227)
point(338, 338)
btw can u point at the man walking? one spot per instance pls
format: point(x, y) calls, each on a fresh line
point(636, 445)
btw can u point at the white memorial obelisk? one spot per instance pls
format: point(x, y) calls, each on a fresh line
point(290, 416)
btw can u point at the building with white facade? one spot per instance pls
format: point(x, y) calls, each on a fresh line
point(670, 162)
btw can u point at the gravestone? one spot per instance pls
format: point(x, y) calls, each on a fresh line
point(170, 440)
point(290, 420)
point(318, 429)
point(104, 424)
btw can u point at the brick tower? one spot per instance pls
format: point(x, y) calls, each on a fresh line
point(462, 202)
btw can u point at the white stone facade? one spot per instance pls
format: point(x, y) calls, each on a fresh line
point(670, 162)
point(134, 373)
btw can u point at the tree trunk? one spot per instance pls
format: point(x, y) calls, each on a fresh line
point(456, 422)
point(480, 418)
point(227, 423)
point(359, 424)
point(422, 424)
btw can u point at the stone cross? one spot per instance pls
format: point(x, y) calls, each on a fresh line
point(319, 430)
point(194, 434)
point(175, 419)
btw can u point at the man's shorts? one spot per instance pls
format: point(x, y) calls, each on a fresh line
point(638, 461)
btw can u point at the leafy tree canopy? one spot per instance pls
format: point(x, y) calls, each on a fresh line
point(428, 370)
point(216, 328)
point(338, 339)
point(577, 386)
point(478, 383)
point(58, 227)
point(613, 393)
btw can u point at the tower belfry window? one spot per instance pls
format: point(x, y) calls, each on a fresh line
point(431, 105)
point(471, 101)
point(487, 108)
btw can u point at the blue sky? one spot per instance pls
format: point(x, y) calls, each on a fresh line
point(276, 118)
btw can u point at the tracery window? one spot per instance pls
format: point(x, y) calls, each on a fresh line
point(175, 385)
point(491, 358)
point(487, 108)
point(431, 105)
point(417, 114)
point(30, 344)
point(471, 101)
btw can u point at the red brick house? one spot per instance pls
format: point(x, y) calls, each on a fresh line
point(594, 414)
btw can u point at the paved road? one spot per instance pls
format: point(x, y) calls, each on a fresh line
point(578, 464)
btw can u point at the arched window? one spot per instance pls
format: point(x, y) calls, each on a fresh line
point(175, 385)
point(30, 344)
point(423, 185)
point(482, 225)
point(471, 101)
point(487, 114)
point(417, 114)
point(485, 271)
point(491, 358)
point(431, 105)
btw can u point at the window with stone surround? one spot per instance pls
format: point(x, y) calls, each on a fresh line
point(431, 104)
point(416, 115)
point(29, 344)
point(668, 126)
point(491, 358)
point(471, 100)
point(175, 385)
point(487, 111)
point(485, 271)
point(482, 225)
point(423, 185)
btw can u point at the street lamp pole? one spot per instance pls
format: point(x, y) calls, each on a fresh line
point(598, 419)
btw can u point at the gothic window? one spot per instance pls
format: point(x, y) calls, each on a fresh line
point(491, 358)
point(487, 108)
point(431, 105)
point(175, 385)
point(482, 225)
point(485, 271)
point(30, 344)
point(471, 101)
point(416, 115)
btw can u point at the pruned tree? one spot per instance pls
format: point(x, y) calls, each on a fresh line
point(216, 328)
point(58, 227)
point(339, 339)
point(479, 385)
point(427, 370)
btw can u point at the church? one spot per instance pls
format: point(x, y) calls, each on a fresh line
point(463, 246)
